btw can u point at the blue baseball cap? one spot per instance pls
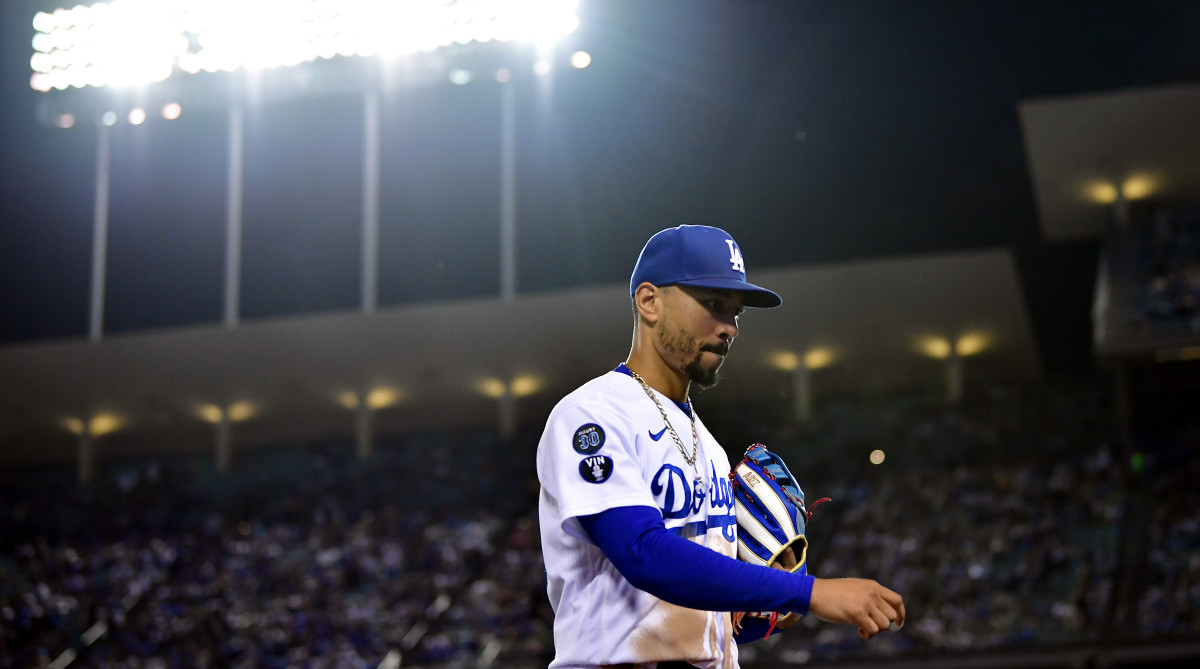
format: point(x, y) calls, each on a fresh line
point(698, 255)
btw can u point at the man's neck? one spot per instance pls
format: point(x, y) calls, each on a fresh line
point(658, 375)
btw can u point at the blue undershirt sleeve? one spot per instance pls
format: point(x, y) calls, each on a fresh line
point(678, 571)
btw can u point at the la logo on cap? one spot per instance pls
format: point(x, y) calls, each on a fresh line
point(735, 257)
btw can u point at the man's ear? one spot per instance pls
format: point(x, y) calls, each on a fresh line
point(647, 298)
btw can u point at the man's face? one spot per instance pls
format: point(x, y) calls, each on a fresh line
point(697, 328)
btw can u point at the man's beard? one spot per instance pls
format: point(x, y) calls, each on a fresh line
point(701, 376)
point(677, 341)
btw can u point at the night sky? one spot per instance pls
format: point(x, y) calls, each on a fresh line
point(815, 132)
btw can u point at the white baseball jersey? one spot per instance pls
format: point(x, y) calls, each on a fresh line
point(606, 446)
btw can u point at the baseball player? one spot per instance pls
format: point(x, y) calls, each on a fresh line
point(636, 510)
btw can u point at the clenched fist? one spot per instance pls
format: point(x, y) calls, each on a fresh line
point(857, 601)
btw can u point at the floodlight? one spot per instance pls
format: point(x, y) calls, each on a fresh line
point(104, 423)
point(210, 413)
point(1137, 187)
point(171, 111)
point(1101, 192)
point(493, 388)
point(581, 59)
point(541, 67)
point(785, 360)
point(65, 120)
point(42, 62)
point(43, 22)
point(240, 411)
point(137, 116)
point(970, 344)
point(934, 347)
point(525, 385)
point(135, 42)
point(73, 425)
point(109, 118)
point(460, 77)
point(817, 358)
point(503, 75)
point(381, 398)
point(348, 399)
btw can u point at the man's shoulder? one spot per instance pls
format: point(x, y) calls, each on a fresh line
point(608, 393)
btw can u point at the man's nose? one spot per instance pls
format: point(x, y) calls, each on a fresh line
point(728, 328)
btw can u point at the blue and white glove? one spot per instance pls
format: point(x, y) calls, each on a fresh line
point(771, 517)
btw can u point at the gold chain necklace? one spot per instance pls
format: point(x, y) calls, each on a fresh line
point(674, 435)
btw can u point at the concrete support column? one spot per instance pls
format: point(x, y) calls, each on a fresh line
point(802, 393)
point(1120, 206)
point(224, 442)
point(508, 415)
point(86, 455)
point(364, 430)
point(954, 377)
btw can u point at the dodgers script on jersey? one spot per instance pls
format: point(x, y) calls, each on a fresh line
point(605, 446)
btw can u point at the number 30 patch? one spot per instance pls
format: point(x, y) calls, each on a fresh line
point(588, 439)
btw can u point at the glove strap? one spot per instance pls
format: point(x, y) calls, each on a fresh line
point(771, 627)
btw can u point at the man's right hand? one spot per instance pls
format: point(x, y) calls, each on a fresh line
point(856, 601)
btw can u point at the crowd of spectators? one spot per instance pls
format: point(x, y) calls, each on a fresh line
point(1169, 272)
point(1000, 520)
point(1170, 603)
point(299, 557)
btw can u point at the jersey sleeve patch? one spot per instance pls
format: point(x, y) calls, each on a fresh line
point(588, 439)
point(596, 469)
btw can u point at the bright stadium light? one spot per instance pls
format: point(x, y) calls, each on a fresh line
point(934, 347)
point(348, 399)
point(171, 111)
point(109, 118)
point(1101, 192)
point(816, 358)
point(210, 413)
point(525, 385)
point(785, 360)
point(137, 116)
point(138, 42)
point(384, 397)
point(73, 425)
point(239, 411)
point(1138, 186)
point(105, 423)
point(65, 120)
point(493, 388)
point(581, 59)
point(970, 344)
point(98, 425)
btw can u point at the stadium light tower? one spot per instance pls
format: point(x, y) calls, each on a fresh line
point(163, 48)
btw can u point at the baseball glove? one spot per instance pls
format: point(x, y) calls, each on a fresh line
point(771, 519)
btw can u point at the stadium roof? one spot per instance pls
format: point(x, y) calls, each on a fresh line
point(1083, 148)
point(871, 317)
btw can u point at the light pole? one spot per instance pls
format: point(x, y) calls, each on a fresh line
point(100, 227)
